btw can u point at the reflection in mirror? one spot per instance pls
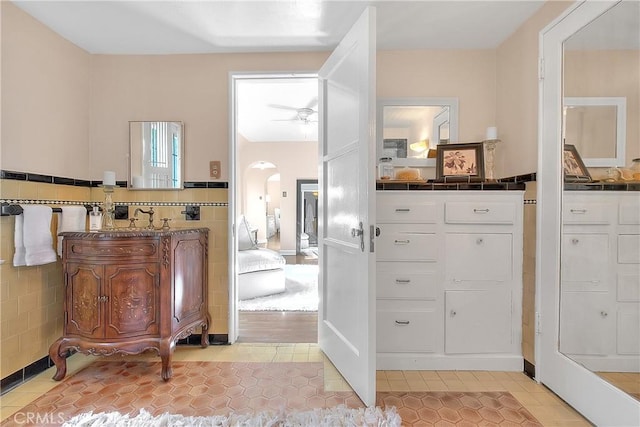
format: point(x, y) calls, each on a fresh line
point(410, 128)
point(597, 127)
point(156, 153)
point(600, 265)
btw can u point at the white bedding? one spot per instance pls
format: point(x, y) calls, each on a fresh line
point(258, 260)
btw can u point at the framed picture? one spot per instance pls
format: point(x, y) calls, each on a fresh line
point(574, 168)
point(460, 162)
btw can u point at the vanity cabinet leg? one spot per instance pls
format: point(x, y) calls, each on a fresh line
point(59, 357)
point(204, 339)
point(166, 352)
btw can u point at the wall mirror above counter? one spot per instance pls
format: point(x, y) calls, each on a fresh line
point(597, 127)
point(156, 155)
point(410, 128)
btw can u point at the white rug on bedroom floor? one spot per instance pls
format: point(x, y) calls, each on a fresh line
point(301, 292)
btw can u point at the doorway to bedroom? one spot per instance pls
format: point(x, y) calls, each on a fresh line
point(275, 151)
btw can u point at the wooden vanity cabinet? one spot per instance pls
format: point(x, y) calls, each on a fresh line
point(131, 291)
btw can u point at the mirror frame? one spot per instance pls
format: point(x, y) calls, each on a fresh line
point(130, 185)
point(620, 102)
point(451, 102)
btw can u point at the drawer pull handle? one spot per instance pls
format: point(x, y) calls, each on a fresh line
point(575, 241)
point(578, 211)
point(486, 210)
point(604, 314)
point(452, 313)
point(402, 242)
point(403, 281)
point(403, 210)
point(402, 322)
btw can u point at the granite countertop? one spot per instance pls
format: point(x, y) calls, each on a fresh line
point(429, 185)
point(602, 186)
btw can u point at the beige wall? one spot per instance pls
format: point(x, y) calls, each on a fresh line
point(38, 117)
point(517, 94)
point(66, 113)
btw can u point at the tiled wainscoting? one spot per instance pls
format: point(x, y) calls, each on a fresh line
point(31, 298)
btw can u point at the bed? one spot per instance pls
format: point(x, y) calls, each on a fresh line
point(260, 270)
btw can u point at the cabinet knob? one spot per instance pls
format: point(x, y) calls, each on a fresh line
point(402, 322)
point(575, 241)
point(452, 313)
point(604, 313)
point(479, 241)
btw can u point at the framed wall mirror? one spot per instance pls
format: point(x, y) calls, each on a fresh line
point(597, 127)
point(599, 320)
point(409, 129)
point(156, 155)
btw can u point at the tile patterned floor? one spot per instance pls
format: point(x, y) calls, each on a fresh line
point(246, 377)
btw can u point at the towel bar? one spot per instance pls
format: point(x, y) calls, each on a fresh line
point(8, 209)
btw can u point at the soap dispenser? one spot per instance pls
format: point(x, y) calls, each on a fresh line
point(95, 219)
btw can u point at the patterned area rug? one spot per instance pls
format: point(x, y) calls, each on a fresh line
point(227, 389)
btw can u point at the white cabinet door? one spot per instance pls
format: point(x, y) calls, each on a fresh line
point(478, 321)
point(628, 330)
point(585, 260)
point(586, 323)
point(478, 257)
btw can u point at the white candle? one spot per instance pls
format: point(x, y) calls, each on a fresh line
point(492, 133)
point(109, 178)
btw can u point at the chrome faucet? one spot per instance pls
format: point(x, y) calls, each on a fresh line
point(150, 213)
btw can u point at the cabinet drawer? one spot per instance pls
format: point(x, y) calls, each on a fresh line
point(399, 281)
point(405, 331)
point(628, 287)
point(110, 249)
point(586, 323)
point(480, 213)
point(629, 248)
point(628, 328)
point(405, 209)
point(402, 242)
point(629, 214)
point(586, 213)
point(478, 257)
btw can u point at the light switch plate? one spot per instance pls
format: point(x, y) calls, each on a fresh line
point(214, 169)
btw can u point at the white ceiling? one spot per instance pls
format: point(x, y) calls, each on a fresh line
point(206, 26)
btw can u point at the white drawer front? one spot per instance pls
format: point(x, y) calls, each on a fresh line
point(628, 287)
point(628, 328)
point(401, 242)
point(586, 213)
point(399, 209)
point(471, 257)
point(629, 248)
point(629, 214)
point(480, 213)
point(406, 285)
point(405, 331)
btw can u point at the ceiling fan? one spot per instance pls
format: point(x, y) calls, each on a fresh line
point(303, 114)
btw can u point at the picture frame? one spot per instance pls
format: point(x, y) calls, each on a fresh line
point(574, 168)
point(460, 162)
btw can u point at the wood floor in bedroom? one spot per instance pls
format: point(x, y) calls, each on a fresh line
point(278, 327)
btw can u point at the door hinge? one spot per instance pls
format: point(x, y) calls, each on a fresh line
point(541, 68)
point(538, 327)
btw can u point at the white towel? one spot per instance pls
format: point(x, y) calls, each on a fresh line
point(72, 218)
point(33, 241)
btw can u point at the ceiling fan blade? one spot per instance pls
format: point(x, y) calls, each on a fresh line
point(312, 104)
point(283, 107)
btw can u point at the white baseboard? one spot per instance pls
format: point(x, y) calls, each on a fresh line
point(287, 252)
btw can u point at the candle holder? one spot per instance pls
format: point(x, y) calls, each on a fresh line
point(489, 159)
point(109, 211)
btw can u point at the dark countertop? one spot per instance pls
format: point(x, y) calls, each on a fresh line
point(128, 232)
point(602, 186)
point(450, 186)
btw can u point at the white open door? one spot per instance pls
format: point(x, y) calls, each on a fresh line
point(346, 316)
